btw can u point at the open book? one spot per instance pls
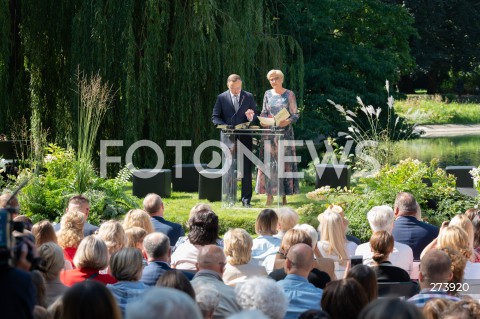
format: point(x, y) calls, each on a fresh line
point(237, 127)
point(272, 121)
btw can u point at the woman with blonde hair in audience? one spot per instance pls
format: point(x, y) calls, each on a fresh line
point(333, 243)
point(266, 228)
point(238, 250)
point(44, 232)
point(113, 235)
point(466, 224)
point(71, 233)
point(138, 218)
point(91, 258)
point(434, 308)
point(472, 212)
point(53, 263)
point(318, 276)
point(135, 236)
point(287, 219)
point(459, 262)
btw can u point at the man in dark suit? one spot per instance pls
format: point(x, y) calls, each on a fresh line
point(153, 205)
point(81, 204)
point(408, 229)
point(156, 246)
point(233, 107)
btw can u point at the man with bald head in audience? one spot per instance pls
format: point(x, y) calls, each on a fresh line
point(408, 229)
point(211, 263)
point(153, 205)
point(156, 246)
point(435, 274)
point(81, 204)
point(301, 294)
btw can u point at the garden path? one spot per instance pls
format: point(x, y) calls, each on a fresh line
point(449, 129)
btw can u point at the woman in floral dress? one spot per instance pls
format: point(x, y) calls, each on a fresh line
point(274, 101)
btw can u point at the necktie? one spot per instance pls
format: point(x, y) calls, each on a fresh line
point(235, 103)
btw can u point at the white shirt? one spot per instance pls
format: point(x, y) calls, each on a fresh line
point(472, 270)
point(402, 255)
point(264, 246)
point(350, 248)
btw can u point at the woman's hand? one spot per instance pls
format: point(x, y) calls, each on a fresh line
point(285, 123)
point(264, 125)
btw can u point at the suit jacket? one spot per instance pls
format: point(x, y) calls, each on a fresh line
point(88, 229)
point(155, 269)
point(172, 230)
point(410, 231)
point(224, 111)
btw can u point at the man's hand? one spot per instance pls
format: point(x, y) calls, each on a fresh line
point(250, 113)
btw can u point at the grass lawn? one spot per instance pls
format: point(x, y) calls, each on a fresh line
point(424, 109)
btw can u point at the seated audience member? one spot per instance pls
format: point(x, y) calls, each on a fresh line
point(177, 280)
point(43, 232)
point(153, 205)
point(238, 249)
point(80, 204)
point(466, 224)
point(207, 298)
point(287, 219)
point(301, 294)
point(113, 234)
point(89, 299)
point(71, 234)
point(163, 303)
point(135, 237)
point(344, 299)
point(138, 218)
point(476, 237)
point(382, 218)
point(459, 262)
point(156, 247)
point(339, 210)
point(382, 246)
point(262, 294)
point(434, 308)
point(210, 267)
point(465, 309)
point(126, 268)
point(366, 278)
point(53, 263)
point(317, 276)
point(203, 231)
point(471, 213)
point(408, 229)
point(333, 243)
point(390, 308)
point(27, 222)
point(314, 314)
point(435, 271)
point(265, 244)
point(196, 209)
point(90, 259)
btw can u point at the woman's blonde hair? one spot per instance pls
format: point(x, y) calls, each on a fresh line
point(91, 253)
point(466, 224)
point(237, 245)
point(71, 231)
point(139, 218)
point(311, 231)
point(126, 264)
point(113, 235)
point(293, 237)
point(332, 233)
point(382, 245)
point(134, 236)
point(44, 233)
point(287, 218)
point(454, 236)
point(275, 72)
point(52, 260)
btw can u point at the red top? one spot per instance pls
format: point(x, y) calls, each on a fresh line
point(69, 253)
point(72, 276)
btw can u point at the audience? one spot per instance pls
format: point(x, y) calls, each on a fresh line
point(207, 298)
point(459, 262)
point(367, 278)
point(314, 314)
point(210, 267)
point(390, 308)
point(53, 264)
point(408, 229)
point(81, 204)
point(266, 228)
point(476, 237)
point(71, 234)
point(177, 280)
point(472, 212)
point(301, 294)
point(382, 218)
point(382, 246)
point(466, 224)
point(238, 249)
point(434, 308)
point(287, 219)
point(43, 232)
point(203, 231)
point(113, 234)
point(153, 205)
point(465, 309)
point(90, 259)
point(126, 268)
point(163, 303)
point(344, 299)
point(138, 218)
point(262, 294)
point(89, 299)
